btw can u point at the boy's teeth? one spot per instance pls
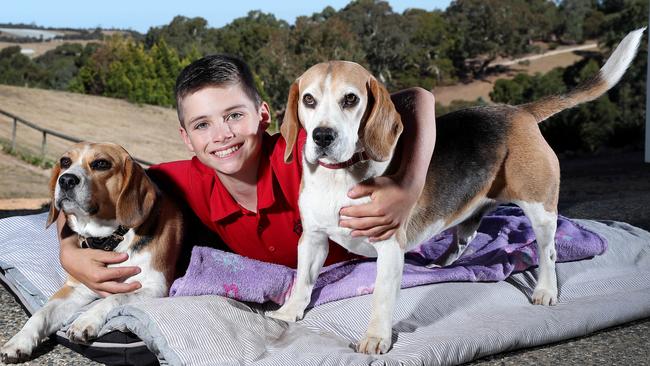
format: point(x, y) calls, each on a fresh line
point(227, 152)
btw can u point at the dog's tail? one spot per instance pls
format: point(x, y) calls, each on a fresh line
point(593, 88)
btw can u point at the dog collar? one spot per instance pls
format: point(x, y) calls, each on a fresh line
point(357, 157)
point(107, 243)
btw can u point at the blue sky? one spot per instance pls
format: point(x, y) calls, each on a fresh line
point(140, 15)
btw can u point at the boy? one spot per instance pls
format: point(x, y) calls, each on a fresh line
point(238, 184)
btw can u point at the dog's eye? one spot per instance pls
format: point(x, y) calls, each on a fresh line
point(100, 164)
point(350, 100)
point(65, 163)
point(309, 100)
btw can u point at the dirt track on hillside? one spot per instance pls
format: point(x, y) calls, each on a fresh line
point(536, 64)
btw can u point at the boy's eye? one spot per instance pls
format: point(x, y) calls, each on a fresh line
point(234, 116)
point(200, 125)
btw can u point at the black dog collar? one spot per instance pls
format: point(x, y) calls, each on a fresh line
point(107, 243)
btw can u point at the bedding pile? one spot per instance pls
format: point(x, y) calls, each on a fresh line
point(435, 324)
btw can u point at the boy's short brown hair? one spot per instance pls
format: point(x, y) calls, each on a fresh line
point(215, 70)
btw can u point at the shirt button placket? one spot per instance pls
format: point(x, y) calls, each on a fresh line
point(260, 229)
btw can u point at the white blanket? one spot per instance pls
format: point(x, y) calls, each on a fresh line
point(439, 324)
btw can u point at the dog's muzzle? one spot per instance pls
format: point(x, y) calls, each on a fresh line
point(68, 181)
point(324, 136)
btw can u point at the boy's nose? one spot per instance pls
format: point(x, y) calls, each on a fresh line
point(221, 132)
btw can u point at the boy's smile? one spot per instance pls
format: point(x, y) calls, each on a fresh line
point(221, 125)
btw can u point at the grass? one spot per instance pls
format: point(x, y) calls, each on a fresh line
point(26, 156)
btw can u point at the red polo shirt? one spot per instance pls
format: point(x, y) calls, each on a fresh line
point(271, 234)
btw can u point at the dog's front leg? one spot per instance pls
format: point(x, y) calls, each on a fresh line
point(45, 321)
point(87, 326)
point(390, 264)
point(312, 251)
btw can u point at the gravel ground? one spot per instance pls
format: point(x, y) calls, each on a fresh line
point(612, 187)
point(13, 317)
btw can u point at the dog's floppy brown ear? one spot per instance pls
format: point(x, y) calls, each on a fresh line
point(137, 196)
point(291, 122)
point(383, 126)
point(54, 178)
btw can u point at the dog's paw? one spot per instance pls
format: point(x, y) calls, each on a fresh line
point(16, 350)
point(544, 296)
point(83, 330)
point(373, 345)
point(288, 314)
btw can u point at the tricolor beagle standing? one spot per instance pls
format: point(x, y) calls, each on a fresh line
point(111, 203)
point(484, 156)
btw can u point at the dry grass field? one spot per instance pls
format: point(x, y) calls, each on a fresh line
point(147, 132)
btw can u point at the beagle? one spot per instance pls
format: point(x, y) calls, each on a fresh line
point(111, 204)
point(484, 156)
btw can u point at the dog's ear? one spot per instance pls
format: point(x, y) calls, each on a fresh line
point(54, 178)
point(291, 122)
point(383, 125)
point(137, 195)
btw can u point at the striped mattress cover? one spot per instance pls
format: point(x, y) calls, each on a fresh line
point(440, 324)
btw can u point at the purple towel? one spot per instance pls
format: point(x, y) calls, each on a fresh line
point(505, 243)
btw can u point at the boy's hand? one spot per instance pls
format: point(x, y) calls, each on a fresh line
point(89, 266)
point(390, 207)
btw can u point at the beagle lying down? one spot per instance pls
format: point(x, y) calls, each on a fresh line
point(484, 156)
point(111, 203)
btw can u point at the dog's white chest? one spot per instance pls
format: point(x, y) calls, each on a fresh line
point(320, 203)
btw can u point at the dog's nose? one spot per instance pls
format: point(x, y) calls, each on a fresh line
point(323, 136)
point(68, 181)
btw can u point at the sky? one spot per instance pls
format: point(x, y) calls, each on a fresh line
point(141, 15)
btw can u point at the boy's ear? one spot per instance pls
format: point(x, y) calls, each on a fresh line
point(186, 138)
point(265, 116)
point(291, 122)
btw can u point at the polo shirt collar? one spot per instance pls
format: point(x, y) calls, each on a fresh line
point(222, 204)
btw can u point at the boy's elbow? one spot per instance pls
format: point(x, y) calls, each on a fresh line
point(423, 97)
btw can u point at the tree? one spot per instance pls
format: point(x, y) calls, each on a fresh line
point(18, 69)
point(574, 13)
point(62, 64)
point(427, 64)
point(123, 68)
point(185, 35)
point(383, 35)
point(485, 29)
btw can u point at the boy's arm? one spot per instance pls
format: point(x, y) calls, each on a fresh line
point(89, 266)
point(393, 197)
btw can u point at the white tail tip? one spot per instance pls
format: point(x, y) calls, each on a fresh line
point(621, 58)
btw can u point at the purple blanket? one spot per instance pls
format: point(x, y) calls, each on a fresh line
point(505, 243)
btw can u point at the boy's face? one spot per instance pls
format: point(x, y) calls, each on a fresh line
point(222, 128)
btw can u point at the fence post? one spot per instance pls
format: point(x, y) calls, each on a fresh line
point(43, 145)
point(13, 136)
